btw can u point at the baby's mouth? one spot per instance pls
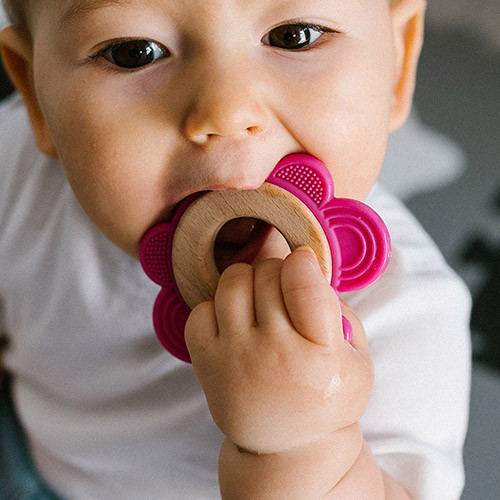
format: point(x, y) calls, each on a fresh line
point(248, 240)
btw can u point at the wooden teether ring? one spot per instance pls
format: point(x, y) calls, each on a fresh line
point(193, 261)
point(349, 238)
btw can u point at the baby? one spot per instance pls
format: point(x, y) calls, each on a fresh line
point(135, 104)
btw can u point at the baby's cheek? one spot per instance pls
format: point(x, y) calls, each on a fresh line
point(116, 203)
point(121, 222)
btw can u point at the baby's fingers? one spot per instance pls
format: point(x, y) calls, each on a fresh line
point(200, 330)
point(200, 333)
point(312, 304)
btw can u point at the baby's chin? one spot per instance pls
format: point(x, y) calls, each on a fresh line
point(248, 240)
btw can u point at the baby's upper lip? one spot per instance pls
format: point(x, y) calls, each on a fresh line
point(181, 195)
point(233, 166)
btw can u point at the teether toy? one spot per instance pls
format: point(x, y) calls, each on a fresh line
point(350, 240)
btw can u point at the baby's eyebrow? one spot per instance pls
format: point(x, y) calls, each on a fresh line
point(83, 6)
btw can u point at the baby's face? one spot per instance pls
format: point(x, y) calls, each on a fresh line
point(148, 101)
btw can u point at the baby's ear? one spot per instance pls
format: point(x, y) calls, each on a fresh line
point(408, 25)
point(17, 57)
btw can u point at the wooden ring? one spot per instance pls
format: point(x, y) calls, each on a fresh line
point(193, 261)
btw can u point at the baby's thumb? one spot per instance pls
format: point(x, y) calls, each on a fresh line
point(311, 302)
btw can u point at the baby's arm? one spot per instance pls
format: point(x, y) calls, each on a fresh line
point(284, 386)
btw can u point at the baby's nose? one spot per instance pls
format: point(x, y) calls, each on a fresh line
point(226, 103)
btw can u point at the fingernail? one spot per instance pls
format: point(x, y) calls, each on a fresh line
point(311, 256)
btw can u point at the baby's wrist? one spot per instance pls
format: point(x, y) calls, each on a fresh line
point(307, 471)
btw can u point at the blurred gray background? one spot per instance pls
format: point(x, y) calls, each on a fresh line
point(445, 164)
point(450, 153)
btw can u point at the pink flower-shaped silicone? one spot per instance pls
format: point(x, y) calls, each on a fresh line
point(358, 239)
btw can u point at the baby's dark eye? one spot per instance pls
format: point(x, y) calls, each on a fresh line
point(293, 36)
point(131, 54)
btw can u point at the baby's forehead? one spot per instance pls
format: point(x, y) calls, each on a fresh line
point(72, 6)
point(83, 5)
point(23, 12)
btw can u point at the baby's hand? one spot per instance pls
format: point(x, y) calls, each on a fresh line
point(271, 356)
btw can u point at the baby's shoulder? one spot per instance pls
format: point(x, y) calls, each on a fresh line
point(30, 181)
point(17, 145)
point(14, 124)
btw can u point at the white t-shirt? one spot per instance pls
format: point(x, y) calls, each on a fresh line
point(110, 414)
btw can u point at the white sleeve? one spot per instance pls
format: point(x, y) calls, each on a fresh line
point(8, 147)
point(417, 321)
point(15, 140)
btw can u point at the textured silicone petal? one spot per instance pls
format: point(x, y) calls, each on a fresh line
point(304, 176)
point(153, 254)
point(363, 240)
point(170, 314)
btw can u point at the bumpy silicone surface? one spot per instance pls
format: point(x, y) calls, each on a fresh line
point(358, 238)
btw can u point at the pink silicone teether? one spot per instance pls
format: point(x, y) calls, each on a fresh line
point(358, 239)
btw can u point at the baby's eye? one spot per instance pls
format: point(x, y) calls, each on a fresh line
point(132, 54)
point(294, 36)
